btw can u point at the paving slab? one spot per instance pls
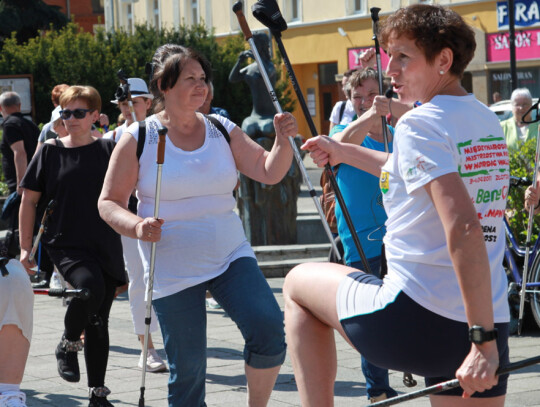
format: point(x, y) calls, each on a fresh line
point(225, 383)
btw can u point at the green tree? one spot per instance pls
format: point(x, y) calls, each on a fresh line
point(522, 166)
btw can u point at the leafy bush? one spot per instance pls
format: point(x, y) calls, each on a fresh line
point(521, 165)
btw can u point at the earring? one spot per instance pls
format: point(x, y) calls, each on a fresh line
point(441, 72)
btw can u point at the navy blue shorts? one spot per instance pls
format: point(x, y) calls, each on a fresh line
point(404, 336)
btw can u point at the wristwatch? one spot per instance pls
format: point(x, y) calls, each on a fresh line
point(479, 335)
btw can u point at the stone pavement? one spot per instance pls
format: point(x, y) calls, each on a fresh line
point(225, 383)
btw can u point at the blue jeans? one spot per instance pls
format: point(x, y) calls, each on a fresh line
point(376, 378)
point(245, 295)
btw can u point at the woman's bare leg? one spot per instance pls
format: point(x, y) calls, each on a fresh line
point(260, 383)
point(14, 348)
point(310, 319)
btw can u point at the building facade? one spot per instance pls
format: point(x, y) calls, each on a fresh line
point(325, 38)
point(87, 13)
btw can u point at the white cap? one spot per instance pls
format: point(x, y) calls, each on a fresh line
point(138, 89)
point(55, 115)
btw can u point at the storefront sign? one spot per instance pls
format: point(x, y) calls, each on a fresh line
point(354, 57)
point(527, 14)
point(527, 46)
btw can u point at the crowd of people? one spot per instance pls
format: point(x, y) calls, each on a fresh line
point(435, 281)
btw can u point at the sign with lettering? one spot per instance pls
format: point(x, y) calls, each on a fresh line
point(527, 14)
point(354, 57)
point(527, 46)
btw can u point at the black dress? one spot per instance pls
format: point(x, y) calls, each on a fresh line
point(75, 232)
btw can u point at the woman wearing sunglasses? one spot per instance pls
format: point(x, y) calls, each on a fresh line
point(86, 251)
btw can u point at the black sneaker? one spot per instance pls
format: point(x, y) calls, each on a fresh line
point(68, 364)
point(96, 401)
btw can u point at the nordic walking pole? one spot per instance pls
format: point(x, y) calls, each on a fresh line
point(452, 384)
point(123, 93)
point(267, 12)
point(529, 226)
point(237, 9)
point(46, 214)
point(375, 23)
point(149, 289)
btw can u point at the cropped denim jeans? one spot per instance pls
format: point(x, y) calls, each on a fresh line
point(245, 295)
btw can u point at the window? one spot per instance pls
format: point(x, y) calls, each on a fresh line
point(156, 14)
point(292, 10)
point(129, 18)
point(356, 6)
point(194, 11)
point(234, 20)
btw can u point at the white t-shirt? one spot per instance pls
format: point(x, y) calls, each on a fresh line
point(202, 234)
point(348, 113)
point(116, 133)
point(449, 134)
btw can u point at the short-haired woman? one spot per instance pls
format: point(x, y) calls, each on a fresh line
point(442, 310)
point(86, 251)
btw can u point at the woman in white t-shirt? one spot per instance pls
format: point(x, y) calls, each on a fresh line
point(200, 241)
point(439, 309)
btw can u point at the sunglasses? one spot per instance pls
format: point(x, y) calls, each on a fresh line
point(77, 113)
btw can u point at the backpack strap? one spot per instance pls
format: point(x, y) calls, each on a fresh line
point(342, 110)
point(141, 139)
point(220, 127)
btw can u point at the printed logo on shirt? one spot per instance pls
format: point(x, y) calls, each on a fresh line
point(384, 182)
point(152, 131)
point(489, 155)
point(422, 165)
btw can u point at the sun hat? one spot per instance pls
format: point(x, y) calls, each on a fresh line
point(138, 89)
point(55, 115)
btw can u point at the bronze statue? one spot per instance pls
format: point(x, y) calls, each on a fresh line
point(268, 212)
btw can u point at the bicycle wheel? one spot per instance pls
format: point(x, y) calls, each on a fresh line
point(534, 297)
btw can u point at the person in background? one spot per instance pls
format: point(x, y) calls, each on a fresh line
point(16, 325)
point(207, 107)
point(363, 198)
point(84, 249)
point(142, 103)
point(201, 244)
point(343, 111)
point(17, 147)
point(446, 287)
point(516, 131)
point(120, 120)
point(47, 131)
point(496, 97)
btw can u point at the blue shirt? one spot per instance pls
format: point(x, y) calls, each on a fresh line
point(363, 198)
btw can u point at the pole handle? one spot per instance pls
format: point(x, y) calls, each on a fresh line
point(375, 18)
point(50, 208)
point(161, 145)
point(237, 9)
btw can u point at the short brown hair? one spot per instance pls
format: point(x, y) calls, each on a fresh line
point(359, 76)
point(167, 65)
point(433, 28)
point(86, 93)
point(57, 92)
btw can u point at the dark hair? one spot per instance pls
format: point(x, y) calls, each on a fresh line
point(433, 28)
point(167, 64)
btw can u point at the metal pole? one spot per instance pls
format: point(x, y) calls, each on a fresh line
point(512, 41)
point(149, 289)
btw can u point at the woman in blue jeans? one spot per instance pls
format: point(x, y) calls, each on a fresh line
point(200, 241)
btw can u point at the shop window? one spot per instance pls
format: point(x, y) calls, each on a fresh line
point(499, 81)
point(292, 10)
point(234, 20)
point(156, 14)
point(129, 18)
point(97, 6)
point(356, 6)
point(194, 11)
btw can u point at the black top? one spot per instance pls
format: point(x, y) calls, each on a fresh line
point(16, 128)
point(74, 177)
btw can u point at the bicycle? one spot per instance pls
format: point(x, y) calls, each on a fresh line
point(514, 255)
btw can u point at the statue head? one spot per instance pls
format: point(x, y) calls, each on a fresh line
point(262, 42)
